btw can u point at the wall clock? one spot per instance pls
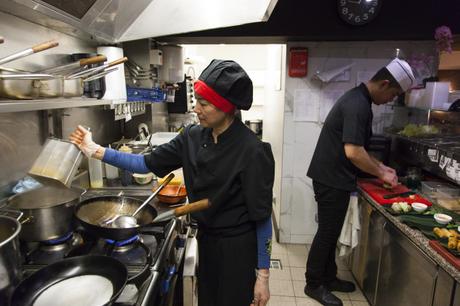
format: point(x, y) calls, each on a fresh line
point(358, 12)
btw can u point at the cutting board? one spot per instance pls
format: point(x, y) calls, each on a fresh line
point(374, 187)
point(455, 261)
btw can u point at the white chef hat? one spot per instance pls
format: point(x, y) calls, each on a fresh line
point(402, 73)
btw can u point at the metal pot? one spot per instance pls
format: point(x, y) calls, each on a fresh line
point(19, 84)
point(47, 212)
point(57, 163)
point(51, 88)
point(73, 88)
point(255, 125)
point(10, 257)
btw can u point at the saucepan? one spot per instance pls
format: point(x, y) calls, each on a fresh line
point(18, 84)
point(92, 213)
point(83, 280)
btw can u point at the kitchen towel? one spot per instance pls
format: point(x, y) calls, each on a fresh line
point(349, 237)
point(115, 81)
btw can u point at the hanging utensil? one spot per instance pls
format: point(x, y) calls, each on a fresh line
point(29, 51)
point(78, 64)
point(27, 76)
point(125, 221)
point(89, 72)
point(100, 74)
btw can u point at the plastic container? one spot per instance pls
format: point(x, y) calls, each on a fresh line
point(95, 173)
point(126, 176)
point(430, 188)
point(111, 173)
point(160, 138)
point(57, 164)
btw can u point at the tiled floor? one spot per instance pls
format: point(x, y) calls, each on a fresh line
point(287, 284)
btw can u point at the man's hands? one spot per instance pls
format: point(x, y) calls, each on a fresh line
point(388, 175)
point(83, 139)
point(361, 159)
point(261, 289)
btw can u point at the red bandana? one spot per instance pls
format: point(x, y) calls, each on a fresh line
point(213, 97)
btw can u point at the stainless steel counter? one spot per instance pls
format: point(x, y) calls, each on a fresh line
point(416, 237)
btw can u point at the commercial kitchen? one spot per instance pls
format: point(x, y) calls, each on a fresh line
point(125, 70)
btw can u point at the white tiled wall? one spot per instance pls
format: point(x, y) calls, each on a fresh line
point(298, 207)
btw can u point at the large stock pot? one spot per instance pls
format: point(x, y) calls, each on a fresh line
point(10, 257)
point(47, 212)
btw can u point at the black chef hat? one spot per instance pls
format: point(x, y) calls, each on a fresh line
point(226, 85)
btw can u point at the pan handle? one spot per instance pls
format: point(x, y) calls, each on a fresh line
point(192, 207)
point(45, 46)
point(165, 182)
point(93, 60)
point(118, 61)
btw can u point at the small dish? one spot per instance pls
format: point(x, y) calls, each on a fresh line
point(143, 178)
point(171, 194)
point(442, 218)
point(419, 207)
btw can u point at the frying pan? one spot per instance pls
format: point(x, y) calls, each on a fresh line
point(92, 211)
point(82, 280)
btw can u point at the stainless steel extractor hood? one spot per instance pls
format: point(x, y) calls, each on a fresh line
point(123, 20)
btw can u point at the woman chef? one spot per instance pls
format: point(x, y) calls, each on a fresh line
point(224, 161)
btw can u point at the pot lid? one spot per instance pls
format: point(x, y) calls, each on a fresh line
point(44, 197)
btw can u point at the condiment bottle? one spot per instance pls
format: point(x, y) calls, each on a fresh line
point(126, 176)
point(95, 173)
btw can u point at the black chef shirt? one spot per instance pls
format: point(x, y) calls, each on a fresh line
point(349, 121)
point(236, 174)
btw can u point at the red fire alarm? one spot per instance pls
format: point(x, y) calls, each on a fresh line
point(298, 62)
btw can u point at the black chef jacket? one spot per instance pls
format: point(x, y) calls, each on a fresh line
point(349, 121)
point(236, 174)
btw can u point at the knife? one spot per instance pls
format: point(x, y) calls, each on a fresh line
point(397, 195)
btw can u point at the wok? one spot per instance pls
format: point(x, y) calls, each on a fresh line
point(91, 212)
point(83, 280)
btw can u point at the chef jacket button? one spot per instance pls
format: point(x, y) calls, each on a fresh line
point(205, 145)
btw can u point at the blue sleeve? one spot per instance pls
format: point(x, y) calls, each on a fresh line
point(131, 162)
point(264, 243)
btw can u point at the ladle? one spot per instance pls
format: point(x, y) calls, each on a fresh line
point(127, 221)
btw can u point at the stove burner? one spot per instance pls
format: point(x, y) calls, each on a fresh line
point(58, 240)
point(122, 242)
point(57, 244)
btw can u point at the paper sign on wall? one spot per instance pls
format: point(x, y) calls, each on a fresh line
point(327, 102)
point(305, 105)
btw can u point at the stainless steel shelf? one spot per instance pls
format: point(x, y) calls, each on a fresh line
point(9, 106)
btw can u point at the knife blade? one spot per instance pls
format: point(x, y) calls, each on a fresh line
point(399, 195)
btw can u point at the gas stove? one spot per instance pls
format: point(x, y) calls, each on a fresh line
point(149, 257)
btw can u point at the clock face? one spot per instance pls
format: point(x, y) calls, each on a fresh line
point(358, 12)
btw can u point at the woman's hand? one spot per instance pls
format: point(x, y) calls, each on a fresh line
point(84, 140)
point(261, 288)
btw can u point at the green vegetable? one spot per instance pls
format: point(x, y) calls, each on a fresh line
point(412, 130)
